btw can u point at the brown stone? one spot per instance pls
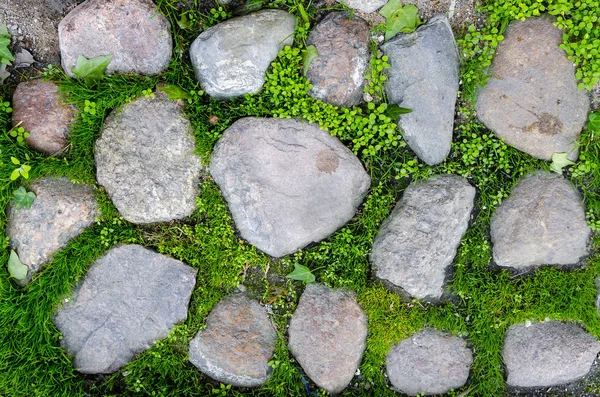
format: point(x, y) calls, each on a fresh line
point(237, 343)
point(337, 74)
point(38, 107)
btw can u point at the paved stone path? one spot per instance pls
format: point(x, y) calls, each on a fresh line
point(289, 183)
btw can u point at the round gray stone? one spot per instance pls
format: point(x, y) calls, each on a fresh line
point(59, 213)
point(543, 354)
point(287, 183)
point(327, 336)
point(429, 362)
point(132, 31)
point(532, 100)
point(237, 343)
point(145, 160)
point(130, 298)
point(337, 75)
point(364, 5)
point(231, 59)
point(542, 222)
point(423, 77)
point(416, 245)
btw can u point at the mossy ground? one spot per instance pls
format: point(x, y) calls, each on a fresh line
point(486, 300)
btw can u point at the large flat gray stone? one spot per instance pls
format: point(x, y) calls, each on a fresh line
point(416, 245)
point(423, 77)
point(288, 183)
point(130, 298)
point(231, 59)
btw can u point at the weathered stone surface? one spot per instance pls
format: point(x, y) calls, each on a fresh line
point(429, 362)
point(542, 222)
point(60, 212)
point(416, 245)
point(231, 58)
point(595, 96)
point(423, 76)
point(132, 31)
point(145, 159)
point(338, 73)
point(543, 354)
point(130, 298)
point(38, 107)
point(287, 183)
point(328, 334)
point(237, 344)
point(532, 101)
point(364, 5)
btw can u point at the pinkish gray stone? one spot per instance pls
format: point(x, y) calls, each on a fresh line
point(38, 108)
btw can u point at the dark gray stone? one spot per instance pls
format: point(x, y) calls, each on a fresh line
point(231, 59)
point(416, 245)
point(364, 5)
point(532, 100)
point(287, 183)
point(130, 298)
point(423, 76)
point(237, 343)
point(429, 362)
point(38, 108)
point(543, 354)
point(338, 73)
point(132, 31)
point(542, 222)
point(145, 160)
point(327, 335)
point(59, 213)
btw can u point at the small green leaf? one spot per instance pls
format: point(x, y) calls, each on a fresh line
point(393, 111)
point(25, 171)
point(559, 161)
point(309, 54)
point(15, 160)
point(23, 198)
point(301, 273)
point(399, 19)
point(594, 122)
point(15, 267)
point(174, 92)
point(15, 174)
point(303, 13)
point(91, 70)
point(184, 22)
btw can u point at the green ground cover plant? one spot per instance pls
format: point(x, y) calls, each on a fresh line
point(486, 300)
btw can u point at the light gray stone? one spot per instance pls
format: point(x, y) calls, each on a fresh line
point(288, 183)
point(543, 354)
point(132, 31)
point(231, 59)
point(145, 160)
point(364, 5)
point(595, 97)
point(423, 77)
point(59, 213)
point(532, 100)
point(129, 298)
point(416, 245)
point(338, 73)
point(542, 222)
point(237, 343)
point(429, 362)
point(327, 335)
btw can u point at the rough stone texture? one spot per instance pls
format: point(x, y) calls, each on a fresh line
point(542, 222)
point(429, 362)
point(459, 12)
point(532, 101)
point(364, 5)
point(231, 58)
point(60, 212)
point(423, 76)
point(132, 31)
point(595, 94)
point(287, 183)
point(130, 298)
point(327, 336)
point(38, 107)
point(338, 73)
point(145, 159)
point(416, 245)
point(543, 354)
point(237, 344)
